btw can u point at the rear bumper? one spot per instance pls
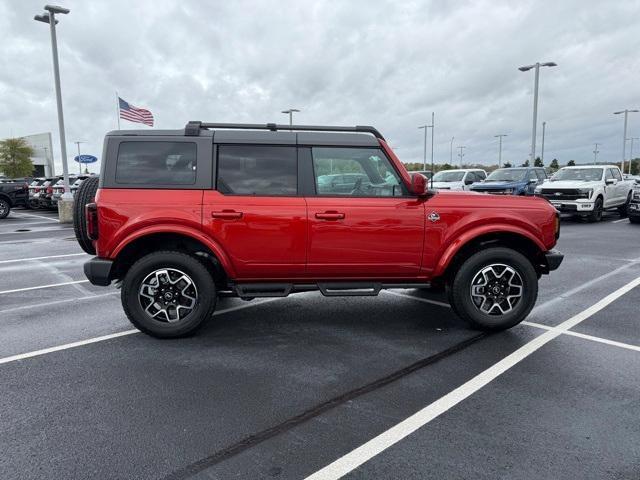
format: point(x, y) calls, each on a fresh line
point(554, 259)
point(98, 271)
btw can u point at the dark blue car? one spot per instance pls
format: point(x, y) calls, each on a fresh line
point(511, 181)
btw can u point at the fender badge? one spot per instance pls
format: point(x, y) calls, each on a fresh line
point(433, 216)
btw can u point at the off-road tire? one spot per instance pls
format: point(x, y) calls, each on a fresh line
point(459, 289)
point(206, 297)
point(5, 208)
point(598, 208)
point(86, 194)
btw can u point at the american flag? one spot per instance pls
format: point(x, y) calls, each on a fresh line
point(135, 114)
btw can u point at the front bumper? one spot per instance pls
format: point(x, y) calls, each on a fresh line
point(98, 271)
point(553, 259)
point(572, 207)
point(634, 210)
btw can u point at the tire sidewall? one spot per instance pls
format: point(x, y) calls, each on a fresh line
point(206, 294)
point(461, 288)
point(7, 208)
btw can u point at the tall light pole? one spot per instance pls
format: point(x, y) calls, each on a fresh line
point(433, 125)
point(535, 100)
point(424, 153)
point(500, 148)
point(461, 154)
point(624, 136)
point(631, 153)
point(290, 112)
point(66, 207)
point(595, 153)
point(79, 164)
point(451, 151)
point(544, 125)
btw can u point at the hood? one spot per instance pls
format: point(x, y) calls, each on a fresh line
point(449, 185)
point(569, 184)
point(496, 185)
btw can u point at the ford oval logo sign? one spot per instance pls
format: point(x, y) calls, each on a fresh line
point(85, 159)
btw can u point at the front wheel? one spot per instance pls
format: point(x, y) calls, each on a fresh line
point(168, 294)
point(624, 208)
point(596, 214)
point(5, 208)
point(494, 289)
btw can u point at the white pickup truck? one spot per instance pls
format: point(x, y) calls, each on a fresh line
point(587, 190)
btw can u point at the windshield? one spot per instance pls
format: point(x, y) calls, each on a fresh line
point(507, 175)
point(450, 176)
point(578, 174)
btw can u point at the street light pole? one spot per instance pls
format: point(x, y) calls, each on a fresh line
point(290, 112)
point(79, 164)
point(424, 154)
point(544, 124)
point(500, 148)
point(535, 100)
point(433, 124)
point(65, 210)
point(631, 153)
point(624, 136)
point(451, 152)
point(595, 153)
point(461, 154)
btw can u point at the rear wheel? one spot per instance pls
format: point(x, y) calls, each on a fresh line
point(168, 294)
point(494, 289)
point(5, 208)
point(598, 207)
point(86, 194)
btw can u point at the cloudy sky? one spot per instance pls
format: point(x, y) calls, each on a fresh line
point(388, 64)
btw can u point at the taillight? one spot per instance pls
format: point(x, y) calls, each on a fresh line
point(557, 225)
point(91, 214)
point(49, 189)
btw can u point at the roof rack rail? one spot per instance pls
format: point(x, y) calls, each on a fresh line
point(193, 128)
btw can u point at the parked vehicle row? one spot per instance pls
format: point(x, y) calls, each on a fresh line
point(634, 205)
point(45, 192)
point(13, 193)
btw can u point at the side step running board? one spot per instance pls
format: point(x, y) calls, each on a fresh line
point(349, 289)
point(245, 290)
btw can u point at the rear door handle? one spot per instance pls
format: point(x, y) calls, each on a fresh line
point(227, 214)
point(330, 216)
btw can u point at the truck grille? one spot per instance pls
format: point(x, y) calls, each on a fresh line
point(562, 194)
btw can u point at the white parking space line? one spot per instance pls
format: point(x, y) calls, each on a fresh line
point(57, 302)
point(51, 219)
point(424, 300)
point(621, 220)
point(16, 260)
point(43, 286)
point(606, 341)
point(66, 346)
point(390, 437)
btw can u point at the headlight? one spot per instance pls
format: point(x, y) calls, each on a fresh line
point(538, 190)
point(508, 191)
point(636, 195)
point(586, 192)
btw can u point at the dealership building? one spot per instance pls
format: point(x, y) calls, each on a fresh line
point(42, 158)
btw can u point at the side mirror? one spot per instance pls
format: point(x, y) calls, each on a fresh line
point(468, 182)
point(610, 181)
point(419, 184)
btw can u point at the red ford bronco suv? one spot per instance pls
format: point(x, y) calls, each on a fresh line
point(181, 217)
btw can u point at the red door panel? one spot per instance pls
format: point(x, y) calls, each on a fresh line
point(264, 237)
point(365, 237)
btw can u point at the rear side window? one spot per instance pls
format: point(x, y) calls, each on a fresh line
point(156, 163)
point(541, 175)
point(257, 170)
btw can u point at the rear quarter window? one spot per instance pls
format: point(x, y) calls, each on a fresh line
point(156, 163)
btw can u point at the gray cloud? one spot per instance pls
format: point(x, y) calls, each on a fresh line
point(385, 63)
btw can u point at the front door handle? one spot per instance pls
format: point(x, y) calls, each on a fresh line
point(330, 216)
point(227, 215)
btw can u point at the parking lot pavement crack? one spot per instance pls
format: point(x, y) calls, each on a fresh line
point(257, 438)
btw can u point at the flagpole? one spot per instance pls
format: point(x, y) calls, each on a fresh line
point(118, 109)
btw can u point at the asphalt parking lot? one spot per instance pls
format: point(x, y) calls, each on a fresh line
point(387, 387)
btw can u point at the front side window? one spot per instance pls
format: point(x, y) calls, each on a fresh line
point(448, 176)
point(360, 172)
point(609, 174)
point(156, 163)
point(616, 174)
point(507, 175)
point(257, 170)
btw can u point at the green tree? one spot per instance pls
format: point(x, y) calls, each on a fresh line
point(538, 162)
point(506, 165)
point(15, 158)
point(571, 163)
point(554, 165)
point(526, 163)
